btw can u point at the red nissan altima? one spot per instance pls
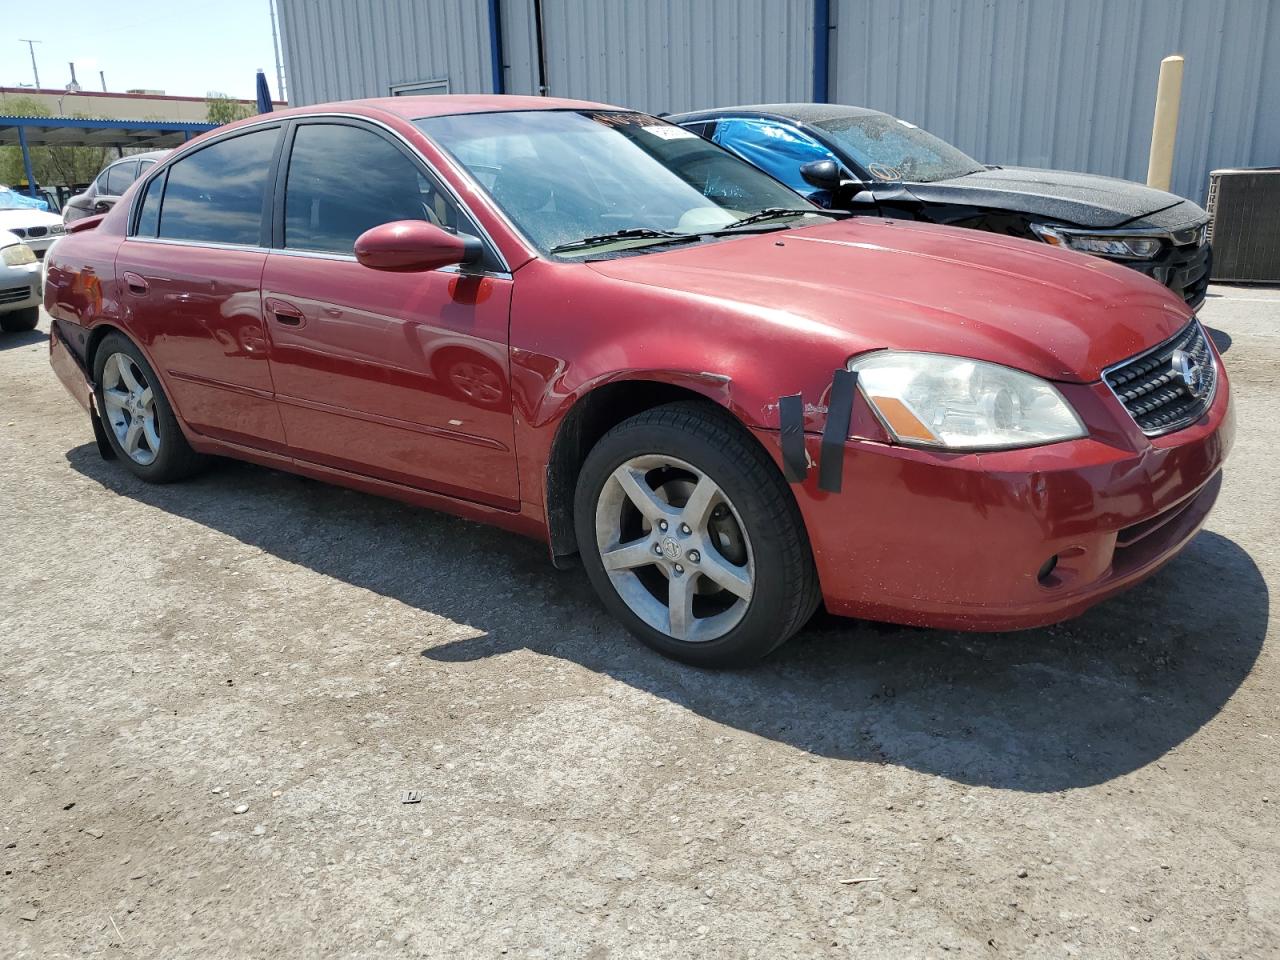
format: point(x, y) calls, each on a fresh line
point(589, 326)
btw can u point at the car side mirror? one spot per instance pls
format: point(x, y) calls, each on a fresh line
point(414, 246)
point(826, 175)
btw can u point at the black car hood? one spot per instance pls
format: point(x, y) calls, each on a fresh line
point(1084, 199)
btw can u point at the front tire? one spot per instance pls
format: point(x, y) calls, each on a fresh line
point(136, 415)
point(691, 538)
point(20, 321)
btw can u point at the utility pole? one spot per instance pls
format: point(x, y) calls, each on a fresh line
point(31, 46)
point(102, 75)
point(275, 48)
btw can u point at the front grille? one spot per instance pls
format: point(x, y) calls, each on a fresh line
point(1169, 387)
point(37, 231)
point(18, 232)
point(14, 294)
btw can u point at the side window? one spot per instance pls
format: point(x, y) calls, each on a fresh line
point(215, 195)
point(776, 148)
point(149, 215)
point(144, 166)
point(100, 184)
point(343, 180)
point(120, 176)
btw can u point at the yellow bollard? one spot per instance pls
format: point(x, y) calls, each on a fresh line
point(1164, 129)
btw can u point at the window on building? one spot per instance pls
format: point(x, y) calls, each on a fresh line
point(216, 194)
point(343, 180)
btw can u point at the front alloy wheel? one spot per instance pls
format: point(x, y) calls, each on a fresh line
point(691, 537)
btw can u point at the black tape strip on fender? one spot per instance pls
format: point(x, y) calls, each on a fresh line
point(795, 465)
point(836, 431)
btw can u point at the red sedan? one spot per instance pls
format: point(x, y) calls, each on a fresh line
point(589, 326)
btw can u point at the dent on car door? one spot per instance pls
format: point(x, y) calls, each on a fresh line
point(401, 376)
point(190, 274)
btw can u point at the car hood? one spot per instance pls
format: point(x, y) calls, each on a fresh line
point(27, 217)
point(1084, 199)
point(874, 284)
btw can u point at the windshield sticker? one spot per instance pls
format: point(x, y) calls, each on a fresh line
point(669, 131)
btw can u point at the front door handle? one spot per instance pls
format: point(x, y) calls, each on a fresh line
point(285, 313)
point(136, 284)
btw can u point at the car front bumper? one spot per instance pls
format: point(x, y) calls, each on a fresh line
point(19, 287)
point(963, 540)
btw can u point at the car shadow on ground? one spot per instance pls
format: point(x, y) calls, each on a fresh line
point(1039, 710)
point(1221, 339)
point(10, 341)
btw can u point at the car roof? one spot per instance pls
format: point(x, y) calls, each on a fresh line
point(418, 108)
point(802, 112)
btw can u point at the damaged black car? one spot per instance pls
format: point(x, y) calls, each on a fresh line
point(872, 163)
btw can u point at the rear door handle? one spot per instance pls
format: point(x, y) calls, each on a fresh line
point(136, 284)
point(285, 313)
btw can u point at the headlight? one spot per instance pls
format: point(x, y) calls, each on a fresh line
point(932, 400)
point(1099, 244)
point(17, 255)
point(56, 228)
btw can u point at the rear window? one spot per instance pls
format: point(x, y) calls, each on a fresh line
point(216, 194)
point(120, 176)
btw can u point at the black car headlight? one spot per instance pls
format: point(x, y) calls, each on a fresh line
point(1126, 247)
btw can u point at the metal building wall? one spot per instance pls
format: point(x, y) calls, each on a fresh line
point(346, 49)
point(1069, 83)
point(672, 55)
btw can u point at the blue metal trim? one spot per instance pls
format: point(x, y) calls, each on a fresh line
point(495, 46)
point(166, 126)
point(821, 49)
point(26, 161)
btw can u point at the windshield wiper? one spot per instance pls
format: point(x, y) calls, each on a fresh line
point(630, 233)
point(774, 213)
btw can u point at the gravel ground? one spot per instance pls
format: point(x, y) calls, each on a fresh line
point(215, 695)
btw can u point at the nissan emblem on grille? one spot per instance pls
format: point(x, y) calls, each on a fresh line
point(1168, 387)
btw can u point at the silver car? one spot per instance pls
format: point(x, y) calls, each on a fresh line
point(20, 285)
point(115, 178)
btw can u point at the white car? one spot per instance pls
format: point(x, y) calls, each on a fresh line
point(37, 228)
point(20, 285)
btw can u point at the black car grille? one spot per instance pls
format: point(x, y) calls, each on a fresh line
point(37, 231)
point(14, 294)
point(1169, 387)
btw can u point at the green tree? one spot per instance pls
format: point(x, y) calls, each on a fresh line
point(221, 108)
point(53, 166)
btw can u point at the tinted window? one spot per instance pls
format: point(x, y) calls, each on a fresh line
point(144, 166)
point(343, 180)
point(778, 149)
point(215, 195)
point(120, 176)
point(149, 216)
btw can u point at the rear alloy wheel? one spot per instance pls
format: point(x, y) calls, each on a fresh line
point(691, 537)
point(139, 423)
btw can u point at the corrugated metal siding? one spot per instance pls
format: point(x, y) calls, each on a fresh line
point(671, 55)
point(1069, 83)
point(346, 49)
point(1057, 83)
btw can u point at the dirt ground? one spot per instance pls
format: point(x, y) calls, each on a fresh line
point(255, 642)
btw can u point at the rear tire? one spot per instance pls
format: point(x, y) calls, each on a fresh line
point(692, 539)
point(20, 321)
point(136, 415)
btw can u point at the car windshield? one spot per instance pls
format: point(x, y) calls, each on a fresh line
point(575, 182)
point(892, 149)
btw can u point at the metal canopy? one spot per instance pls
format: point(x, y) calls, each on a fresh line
point(27, 132)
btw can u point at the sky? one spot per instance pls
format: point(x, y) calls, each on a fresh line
point(183, 47)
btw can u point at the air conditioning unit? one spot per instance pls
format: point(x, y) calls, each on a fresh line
point(1243, 225)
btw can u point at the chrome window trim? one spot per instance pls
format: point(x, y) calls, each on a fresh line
point(349, 258)
point(1213, 393)
point(266, 120)
point(202, 244)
